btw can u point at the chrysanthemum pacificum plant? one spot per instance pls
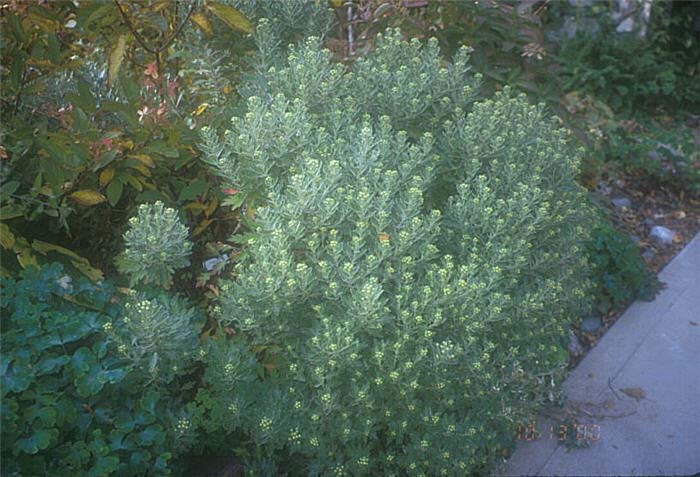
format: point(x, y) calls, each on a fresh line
point(156, 245)
point(158, 333)
point(158, 329)
point(419, 283)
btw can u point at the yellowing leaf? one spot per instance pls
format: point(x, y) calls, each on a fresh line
point(194, 206)
point(25, 257)
point(106, 176)
point(200, 228)
point(231, 16)
point(144, 159)
point(201, 108)
point(37, 18)
point(133, 182)
point(142, 169)
point(211, 207)
point(636, 393)
point(250, 213)
point(7, 238)
point(384, 237)
point(203, 23)
point(88, 197)
point(80, 263)
point(115, 59)
point(228, 89)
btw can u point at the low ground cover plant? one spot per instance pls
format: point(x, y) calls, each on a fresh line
point(94, 381)
point(407, 322)
point(72, 403)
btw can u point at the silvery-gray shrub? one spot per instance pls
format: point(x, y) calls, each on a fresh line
point(415, 261)
point(156, 245)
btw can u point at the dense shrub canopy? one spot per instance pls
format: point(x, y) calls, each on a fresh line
point(415, 265)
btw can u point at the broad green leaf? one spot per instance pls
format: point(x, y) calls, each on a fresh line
point(86, 100)
point(90, 384)
point(114, 192)
point(17, 379)
point(37, 183)
point(47, 415)
point(150, 436)
point(50, 365)
point(160, 147)
point(114, 376)
point(40, 440)
point(7, 238)
point(231, 16)
point(88, 197)
point(9, 188)
point(101, 13)
point(82, 359)
point(106, 158)
point(234, 201)
point(192, 190)
point(11, 211)
point(116, 58)
point(105, 465)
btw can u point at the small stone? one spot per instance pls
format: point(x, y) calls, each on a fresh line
point(604, 189)
point(65, 282)
point(574, 345)
point(649, 254)
point(654, 156)
point(591, 324)
point(662, 235)
point(622, 203)
point(672, 150)
point(635, 238)
point(213, 262)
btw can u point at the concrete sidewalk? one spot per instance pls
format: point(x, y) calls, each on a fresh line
point(653, 426)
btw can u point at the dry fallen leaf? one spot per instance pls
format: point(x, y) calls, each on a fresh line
point(636, 393)
point(679, 214)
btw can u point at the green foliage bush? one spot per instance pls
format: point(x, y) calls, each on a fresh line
point(619, 273)
point(156, 245)
point(72, 403)
point(667, 154)
point(623, 71)
point(631, 73)
point(407, 322)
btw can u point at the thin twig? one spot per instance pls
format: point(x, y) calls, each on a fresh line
point(179, 29)
point(351, 38)
point(131, 28)
point(141, 41)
